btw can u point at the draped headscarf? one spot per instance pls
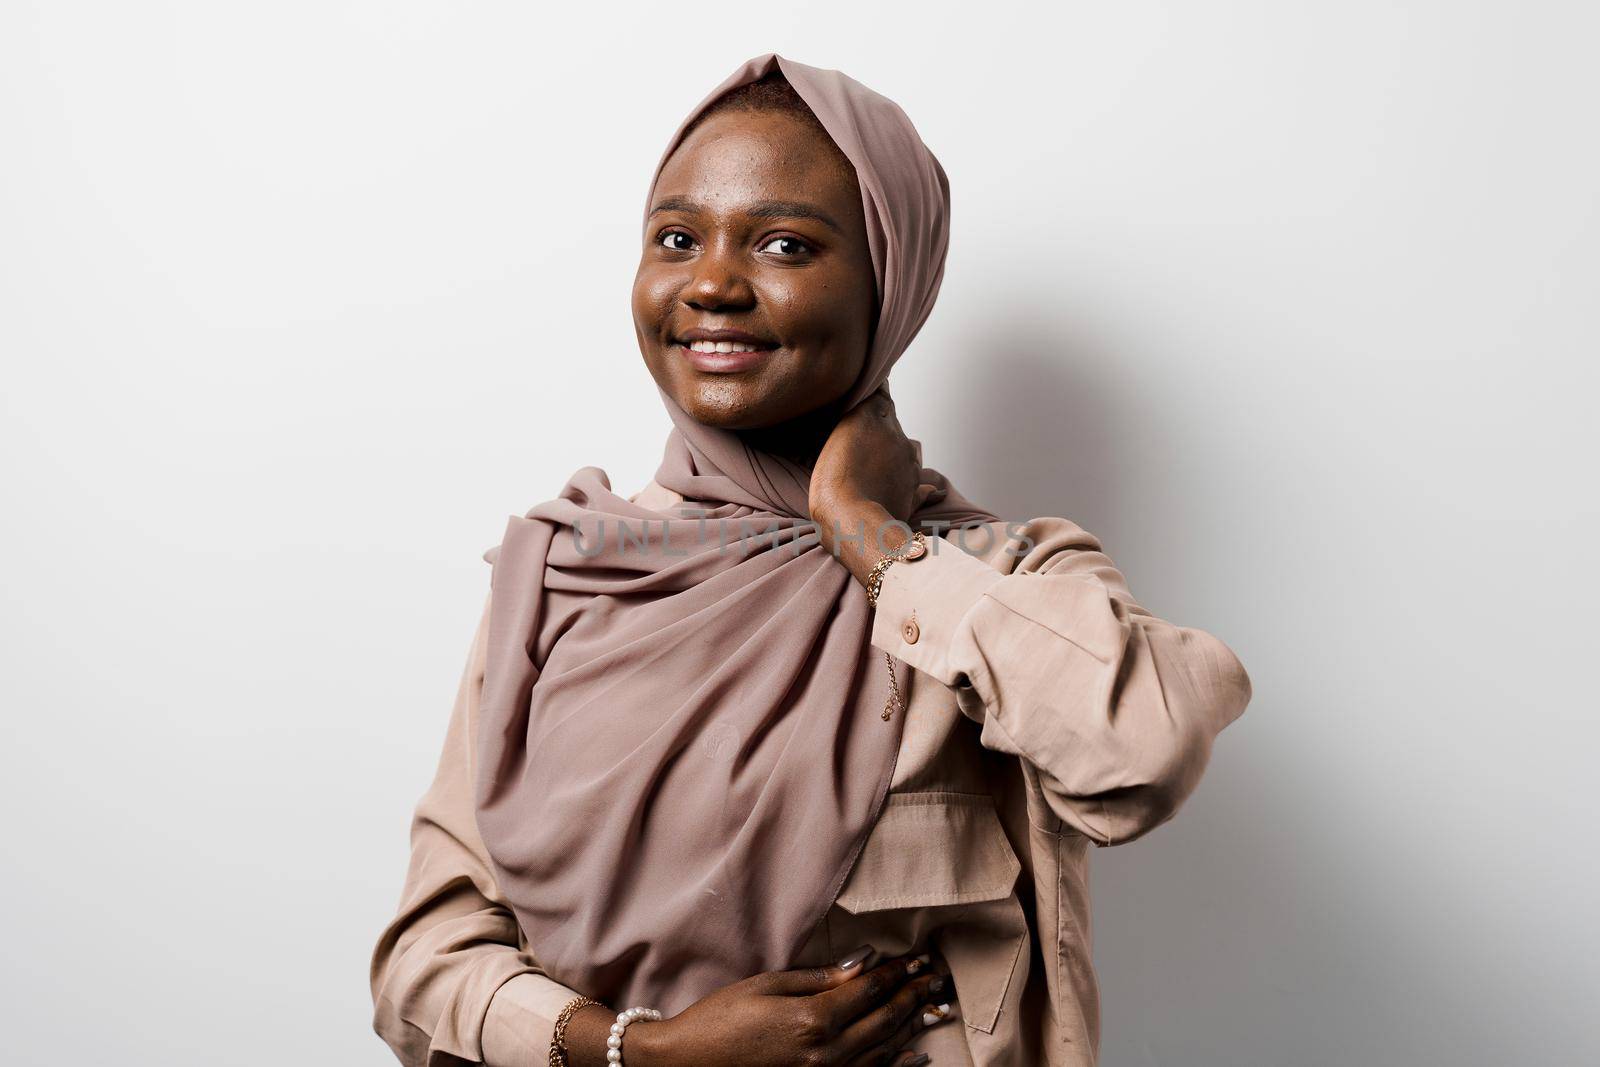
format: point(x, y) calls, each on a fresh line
point(680, 748)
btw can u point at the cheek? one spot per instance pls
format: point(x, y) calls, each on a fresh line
point(827, 319)
point(654, 293)
point(807, 310)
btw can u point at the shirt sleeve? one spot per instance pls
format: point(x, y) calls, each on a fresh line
point(452, 981)
point(1113, 709)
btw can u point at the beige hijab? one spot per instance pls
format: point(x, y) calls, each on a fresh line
point(680, 749)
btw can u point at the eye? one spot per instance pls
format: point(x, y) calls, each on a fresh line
point(786, 246)
point(676, 240)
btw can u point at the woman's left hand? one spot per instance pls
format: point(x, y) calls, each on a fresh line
point(865, 477)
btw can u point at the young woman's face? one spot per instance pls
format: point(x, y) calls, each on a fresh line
point(756, 239)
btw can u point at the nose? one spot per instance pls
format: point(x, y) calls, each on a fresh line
point(719, 283)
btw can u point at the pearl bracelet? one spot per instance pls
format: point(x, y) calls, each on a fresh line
point(632, 1015)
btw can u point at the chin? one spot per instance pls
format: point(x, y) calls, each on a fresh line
point(727, 405)
point(725, 419)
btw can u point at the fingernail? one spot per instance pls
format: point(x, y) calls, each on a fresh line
point(938, 985)
point(856, 957)
point(921, 1059)
point(932, 1015)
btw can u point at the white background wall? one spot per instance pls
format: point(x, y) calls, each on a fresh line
point(1296, 308)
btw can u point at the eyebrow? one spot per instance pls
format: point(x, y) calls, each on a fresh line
point(762, 209)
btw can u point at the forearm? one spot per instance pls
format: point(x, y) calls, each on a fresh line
point(1048, 651)
point(589, 1028)
point(449, 978)
point(585, 1039)
point(860, 533)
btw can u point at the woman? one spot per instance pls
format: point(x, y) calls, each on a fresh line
point(715, 736)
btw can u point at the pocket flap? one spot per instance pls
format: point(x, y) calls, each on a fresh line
point(929, 849)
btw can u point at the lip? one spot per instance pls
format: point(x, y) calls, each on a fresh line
point(698, 334)
point(723, 362)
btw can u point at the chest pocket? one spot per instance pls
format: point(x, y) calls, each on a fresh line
point(932, 849)
point(948, 852)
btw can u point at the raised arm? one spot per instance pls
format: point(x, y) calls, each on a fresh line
point(1047, 649)
point(452, 981)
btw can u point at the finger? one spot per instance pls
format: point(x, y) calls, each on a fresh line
point(877, 1037)
point(845, 1003)
point(908, 1058)
point(877, 1026)
point(808, 981)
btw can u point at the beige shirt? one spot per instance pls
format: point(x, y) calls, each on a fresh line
point(1045, 711)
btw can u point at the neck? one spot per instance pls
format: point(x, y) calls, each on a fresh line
point(799, 440)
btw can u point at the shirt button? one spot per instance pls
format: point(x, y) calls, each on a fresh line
point(910, 631)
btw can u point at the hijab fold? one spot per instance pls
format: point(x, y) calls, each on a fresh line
point(680, 752)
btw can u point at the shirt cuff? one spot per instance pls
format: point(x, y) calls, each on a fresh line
point(522, 1021)
point(922, 604)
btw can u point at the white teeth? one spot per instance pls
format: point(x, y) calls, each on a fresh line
point(722, 346)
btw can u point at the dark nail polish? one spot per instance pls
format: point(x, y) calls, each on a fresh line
point(921, 1059)
point(938, 986)
point(856, 956)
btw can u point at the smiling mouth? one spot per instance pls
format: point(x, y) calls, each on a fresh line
point(728, 346)
point(724, 357)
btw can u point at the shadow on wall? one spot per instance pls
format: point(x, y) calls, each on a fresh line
point(1066, 431)
point(1038, 439)
point(1242, 931)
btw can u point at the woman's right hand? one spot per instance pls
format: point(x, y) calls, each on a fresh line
point(839, 1016)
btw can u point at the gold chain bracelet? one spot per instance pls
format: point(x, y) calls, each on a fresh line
point(558, 1040)
point(894, 689)
point(914, 546)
